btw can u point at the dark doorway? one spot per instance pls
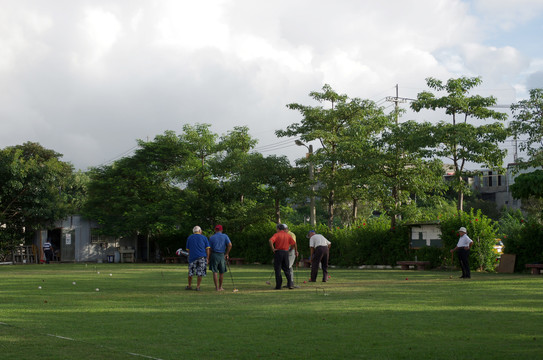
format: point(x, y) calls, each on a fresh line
point(55, 236)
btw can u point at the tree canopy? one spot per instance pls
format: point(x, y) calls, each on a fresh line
point(528, 185)
point(344, 118)
point(37, 190)
point(527, 126)
point(458, 140)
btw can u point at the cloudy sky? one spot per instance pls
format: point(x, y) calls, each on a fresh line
point(87, 78)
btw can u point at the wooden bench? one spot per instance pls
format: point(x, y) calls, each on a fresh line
point(238, 261)
point(420, 265)
point(306, 263)
point(535, 268)
point(171, 259)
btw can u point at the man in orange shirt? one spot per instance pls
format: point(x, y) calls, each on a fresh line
point(281, 242)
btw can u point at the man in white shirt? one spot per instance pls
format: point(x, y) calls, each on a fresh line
point(463, 246)
point(320, 250)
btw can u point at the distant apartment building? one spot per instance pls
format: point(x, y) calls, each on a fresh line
point(493, 186)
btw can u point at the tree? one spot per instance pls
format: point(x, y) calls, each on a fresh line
point(275, 178)
point(174, 181)
point(460, 141)
point(214, 166)
point(330, 127)
point(33, 193)
point(393, 166)
point(139, 194)
point(528, 185)
point(528, 120)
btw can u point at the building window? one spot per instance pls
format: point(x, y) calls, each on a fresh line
point(99, 238)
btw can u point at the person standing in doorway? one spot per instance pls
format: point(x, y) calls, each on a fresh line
point(48, 251)
point(280, 243)
point(319, 247)
point(198, 249)
point(220, 248)
point(463, 248)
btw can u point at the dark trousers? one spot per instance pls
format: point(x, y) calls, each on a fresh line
point(48, 255)
point(463, 257)
point(320, 256)
point(280, 262)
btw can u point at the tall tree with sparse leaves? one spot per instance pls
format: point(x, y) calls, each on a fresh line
point(527, 126)
point(330, 126)
point(459, 140)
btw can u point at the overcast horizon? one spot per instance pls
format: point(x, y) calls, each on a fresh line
point(88, 78)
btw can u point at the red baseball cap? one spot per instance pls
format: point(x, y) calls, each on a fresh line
point(218, 227)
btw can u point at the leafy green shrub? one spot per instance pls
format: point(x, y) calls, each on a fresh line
point(252, 244)
point(481, 229)
point(437, 256)
point(372, 242)
point(369, 242)
point(510, 223)
point(526, 243)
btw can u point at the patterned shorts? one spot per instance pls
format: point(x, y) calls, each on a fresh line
point(198, 267)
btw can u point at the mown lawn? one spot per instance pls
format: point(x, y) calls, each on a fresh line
point(131, 311)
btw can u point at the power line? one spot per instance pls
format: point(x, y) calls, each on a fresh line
point(131, 150)
point(274, 145)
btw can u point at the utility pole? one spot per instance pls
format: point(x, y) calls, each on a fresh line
point(396, 100)
point(312, 207)
point(312, 210)
point(396, 188)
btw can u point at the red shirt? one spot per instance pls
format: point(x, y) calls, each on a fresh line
point(282, 240)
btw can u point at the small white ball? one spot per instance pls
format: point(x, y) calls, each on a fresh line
point(39, 287)
point(97, 289)
point(73, 282)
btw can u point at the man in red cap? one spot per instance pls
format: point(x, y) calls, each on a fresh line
point(220, 248)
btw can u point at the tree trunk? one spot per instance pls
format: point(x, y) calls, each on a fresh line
point(395, 216)
point(460, 206)
point(331, 209)
point(355, 209)
point(277, 212)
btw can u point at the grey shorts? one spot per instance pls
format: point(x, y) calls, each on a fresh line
point(217, 263)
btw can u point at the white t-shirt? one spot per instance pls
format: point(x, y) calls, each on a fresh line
point(464, 241)
point(318, 240)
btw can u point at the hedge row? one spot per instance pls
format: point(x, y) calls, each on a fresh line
point(372, 242)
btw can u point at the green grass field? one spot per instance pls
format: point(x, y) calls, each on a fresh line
point(142, 311)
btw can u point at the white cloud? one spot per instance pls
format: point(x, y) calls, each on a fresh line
point(494, 63)
point(102, 31)
point(89, 78)
point(20, 32)
point(192, 25)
